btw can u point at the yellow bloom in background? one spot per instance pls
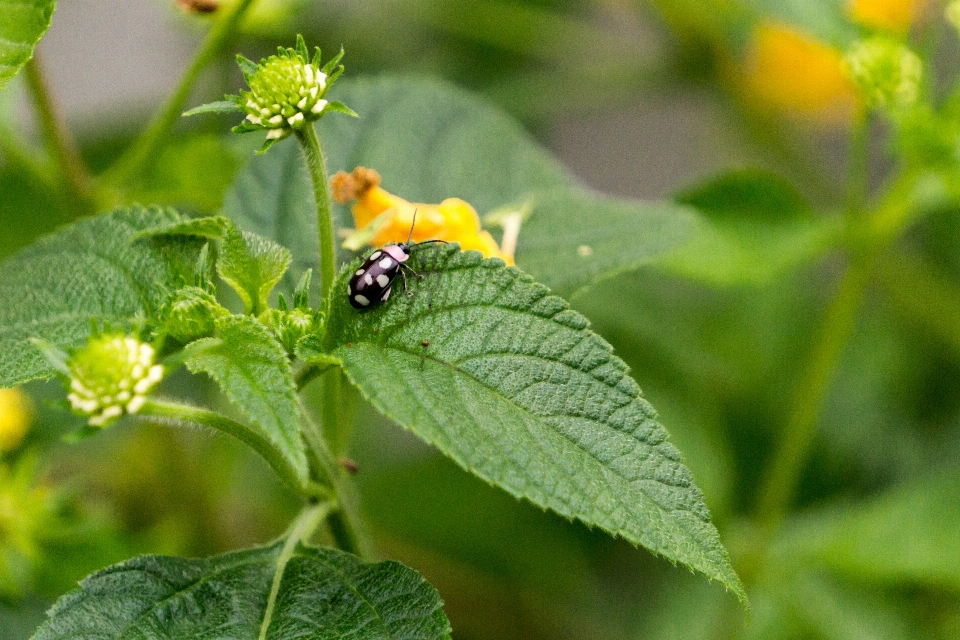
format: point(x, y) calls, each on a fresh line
point(16, 414)
point(792, 71)
point(888, 15)
point(390, 217)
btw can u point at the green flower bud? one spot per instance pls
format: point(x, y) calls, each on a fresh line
point(952, 14)
point(287, 91)
point(111, 376)
point(288, 326)
point(190, 313)
point(886, 71)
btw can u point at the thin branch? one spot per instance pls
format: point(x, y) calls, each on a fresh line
point(62, 146)
point(142, 152)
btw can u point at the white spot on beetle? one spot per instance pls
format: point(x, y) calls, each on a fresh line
point(386, 263)
point(382, 280)
point(375, 255)
point(359, 272)
point(369, 279)
point(362, 300)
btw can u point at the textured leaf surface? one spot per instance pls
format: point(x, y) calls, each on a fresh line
point(497, 373)
point(252, 265)
point(323, 594)
point(908, 534)
point(431, 141)
point(755, 227)
point(88, 271)
point(252, 369)
point(272, 196)
point(22, 24)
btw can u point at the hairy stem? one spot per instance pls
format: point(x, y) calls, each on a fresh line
point(62, 146)
point(182, 413)
point(138, 156)
point(303, 527)
point(317, 166)
point(345, 522)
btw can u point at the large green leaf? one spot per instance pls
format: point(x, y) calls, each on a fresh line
point(253, 370)
point(88, 271)
point(22, 24)
point(322, 593)
point(908, 534)
point(497, 373)
point(574, 237)
point(431, 141)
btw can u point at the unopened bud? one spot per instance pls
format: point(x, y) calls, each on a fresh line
point(110, 377)
point(886, 72)
point(190, 314)
point(952, 14)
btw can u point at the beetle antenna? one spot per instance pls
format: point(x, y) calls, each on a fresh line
point(412, 224)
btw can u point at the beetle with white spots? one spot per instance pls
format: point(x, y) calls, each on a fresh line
point(372, 283)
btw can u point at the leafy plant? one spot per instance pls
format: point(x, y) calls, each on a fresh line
point(481, 361)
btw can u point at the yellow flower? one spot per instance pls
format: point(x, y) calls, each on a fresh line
point(794, 72)
point(453, 220)
point(888, 15)
point(16, 413)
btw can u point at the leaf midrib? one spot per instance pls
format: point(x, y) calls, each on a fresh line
point(548, 427)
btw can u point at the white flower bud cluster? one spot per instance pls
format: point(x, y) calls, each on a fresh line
point(112, 376)
point(285, 93)
point(952, 14)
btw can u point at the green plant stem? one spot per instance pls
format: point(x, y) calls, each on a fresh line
point(144, 149)
point(62, 146)
point(800, 429)
point(303, 527)
point(182, 413)
point(317, 166)
point(345, 523)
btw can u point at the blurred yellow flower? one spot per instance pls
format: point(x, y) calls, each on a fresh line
point(453, 220)
point(16, 413)
point(794, 72)
point(888, 15)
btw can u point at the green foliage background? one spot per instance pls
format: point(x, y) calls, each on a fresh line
point(716, 333)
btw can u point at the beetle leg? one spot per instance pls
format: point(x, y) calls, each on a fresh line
point(404, 275)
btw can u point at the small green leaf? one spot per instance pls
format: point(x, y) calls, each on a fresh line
point(756, 227)
point(88, 272)
point(502, 377)
point(252, 265)
point(323, 593)
point(748, 194)
point(214, 228)
point(253, 371)
point(224, 106)
point(342, 108)
point(22, 24)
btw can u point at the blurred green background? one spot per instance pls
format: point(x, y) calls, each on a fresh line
point(639, 98)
